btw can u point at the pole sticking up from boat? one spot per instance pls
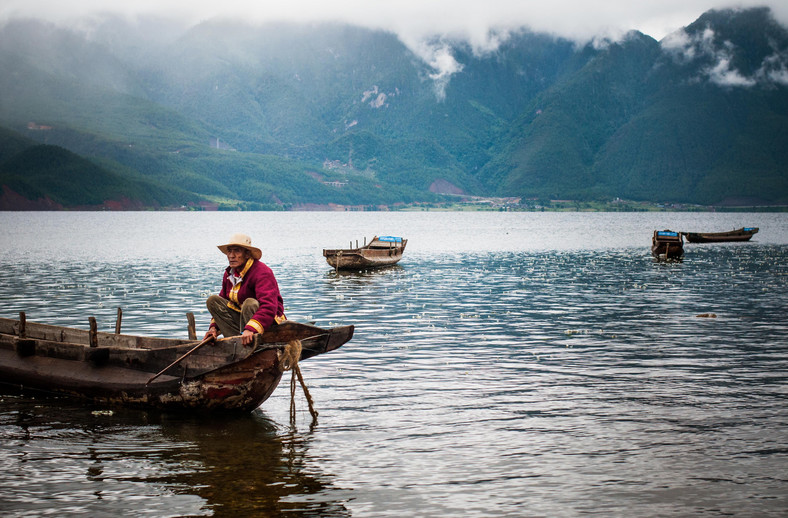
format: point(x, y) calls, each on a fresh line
point(22, 321)
point(93, 332)
point(117, 321)
point(192, 326)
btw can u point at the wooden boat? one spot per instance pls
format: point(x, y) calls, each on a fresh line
point(381, 251)
point(138, 371)
point(667, 245)
point(741, 234)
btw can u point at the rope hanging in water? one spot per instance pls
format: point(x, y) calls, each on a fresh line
point(288, 361)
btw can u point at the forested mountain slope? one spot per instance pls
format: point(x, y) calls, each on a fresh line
point(282, 116)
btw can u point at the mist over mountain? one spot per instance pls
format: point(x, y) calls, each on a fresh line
point(283, 115)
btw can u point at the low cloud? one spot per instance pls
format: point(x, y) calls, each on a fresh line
point(775, 68)
point(724, 75)
point(686, 49)
point(424, 25)
point(572, 19)
point(438, 56)
point(681, 46)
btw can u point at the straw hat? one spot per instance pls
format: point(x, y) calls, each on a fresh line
point(243, 241)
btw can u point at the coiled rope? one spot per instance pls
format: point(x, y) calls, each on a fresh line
point(288, 361)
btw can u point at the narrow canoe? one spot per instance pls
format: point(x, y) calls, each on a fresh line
point(740, 234)
point(120, 369)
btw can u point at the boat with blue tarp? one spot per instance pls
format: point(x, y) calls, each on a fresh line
point(381, 251)
point(667, 245)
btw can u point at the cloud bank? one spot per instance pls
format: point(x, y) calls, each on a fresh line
point(415, 19)
point(686, 48)
point(425, 25)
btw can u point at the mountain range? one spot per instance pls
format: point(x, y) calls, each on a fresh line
point(121, 114)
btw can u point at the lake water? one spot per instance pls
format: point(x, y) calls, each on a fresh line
point(513, 364)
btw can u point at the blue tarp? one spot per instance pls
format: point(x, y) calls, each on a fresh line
point(667, 233)
point(390, 239)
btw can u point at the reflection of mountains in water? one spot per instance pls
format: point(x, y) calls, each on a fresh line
point(249, 468)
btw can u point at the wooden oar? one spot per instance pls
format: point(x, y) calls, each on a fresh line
point(165, 369)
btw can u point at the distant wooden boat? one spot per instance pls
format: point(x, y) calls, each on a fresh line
point(138, 371)
point(667, 245)
point(381, 251)
point(741, 234)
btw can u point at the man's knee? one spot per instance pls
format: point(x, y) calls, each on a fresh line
point(251, 305)
point(214, 302)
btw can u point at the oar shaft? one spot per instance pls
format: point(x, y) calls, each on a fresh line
point(165, 369)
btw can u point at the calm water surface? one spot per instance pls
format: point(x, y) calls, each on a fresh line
point(528, 364)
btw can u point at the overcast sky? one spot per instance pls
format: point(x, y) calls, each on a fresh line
point(413, 20)
point(576, 19)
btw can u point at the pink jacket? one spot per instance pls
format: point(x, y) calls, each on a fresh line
point(257, 281)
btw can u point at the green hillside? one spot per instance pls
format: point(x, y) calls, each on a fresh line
point(43, 172)
point(282, 116)
point(551, 150)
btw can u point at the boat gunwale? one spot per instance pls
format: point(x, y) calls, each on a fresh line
point(42, 340)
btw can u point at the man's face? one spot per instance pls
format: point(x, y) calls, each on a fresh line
point(237, 256)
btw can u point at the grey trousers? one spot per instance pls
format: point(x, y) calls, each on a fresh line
point(230, 321)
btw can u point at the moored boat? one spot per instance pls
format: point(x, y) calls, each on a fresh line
point(740, 234)
point(381, 251)
point(667, 245)
point(169, 374)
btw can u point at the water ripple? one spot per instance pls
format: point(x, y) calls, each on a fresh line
point(492, 380)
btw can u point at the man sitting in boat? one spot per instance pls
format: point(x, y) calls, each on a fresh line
point(249, 301)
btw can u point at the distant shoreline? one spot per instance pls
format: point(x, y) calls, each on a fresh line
point(454, 206)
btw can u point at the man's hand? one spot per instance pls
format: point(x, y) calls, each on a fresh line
point(211, 333)
point(247, 337)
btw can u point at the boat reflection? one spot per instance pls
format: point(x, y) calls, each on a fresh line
point(164, 464)
point(364, 273)
point(249, 467)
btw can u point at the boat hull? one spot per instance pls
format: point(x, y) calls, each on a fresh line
point(742, 234)
point(240, 387)
point(360, 259)
point(376, 254)
point(667, 245)
point(225, 376)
